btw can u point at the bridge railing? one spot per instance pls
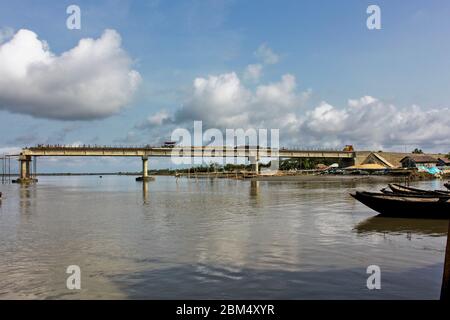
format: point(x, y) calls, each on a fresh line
point(148, 146)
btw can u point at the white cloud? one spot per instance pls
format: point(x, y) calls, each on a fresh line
point(253, 72)
point(92, 80)
point(368, 122)
point(326, 119)
point(281, 94)
point(363, 101)
point(224, 102)
point(266, 54)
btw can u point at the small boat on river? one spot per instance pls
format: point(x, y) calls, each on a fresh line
point(404, 190)
point(411, 206)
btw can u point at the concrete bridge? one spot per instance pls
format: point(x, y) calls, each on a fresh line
point(254, 154)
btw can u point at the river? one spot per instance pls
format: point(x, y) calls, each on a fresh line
point(211, 239)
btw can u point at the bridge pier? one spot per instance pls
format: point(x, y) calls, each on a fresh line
point(145, 176)
point(255, 164)
point(25, 171)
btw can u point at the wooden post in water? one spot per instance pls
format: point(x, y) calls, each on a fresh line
point(3, 169)
point(445, 289)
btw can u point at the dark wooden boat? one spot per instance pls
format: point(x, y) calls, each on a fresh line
point(411, 206)
point(429, 194)
point(399, 189)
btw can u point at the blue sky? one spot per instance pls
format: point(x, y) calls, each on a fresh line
point(324, 45)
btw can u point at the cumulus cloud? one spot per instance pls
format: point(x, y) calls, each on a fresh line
point(326, 119)
point(223, 101)
point(266, 54)
point(363, 101)
point(372, 123)
point(91, 81)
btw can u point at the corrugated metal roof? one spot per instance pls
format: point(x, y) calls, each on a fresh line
point(420, 158)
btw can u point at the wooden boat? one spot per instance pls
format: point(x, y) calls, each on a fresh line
point(399, 189)
point(428, 194)
point(412, 206)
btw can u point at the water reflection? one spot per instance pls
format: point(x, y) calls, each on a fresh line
point(145, 192)
point(379, 224)
point(254, 188)
point(216, 238)
point(215, 282)
point(27, 194)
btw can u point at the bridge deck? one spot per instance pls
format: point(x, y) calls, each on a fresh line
point(102, 151)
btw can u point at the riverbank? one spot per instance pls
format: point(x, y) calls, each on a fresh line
point(405, 175)
point(328, 178)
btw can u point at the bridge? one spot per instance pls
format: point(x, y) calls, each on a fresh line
point(254, 154)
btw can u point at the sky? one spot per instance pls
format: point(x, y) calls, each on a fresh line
point(137, 70)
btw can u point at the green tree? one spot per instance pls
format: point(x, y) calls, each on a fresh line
point(417, 151)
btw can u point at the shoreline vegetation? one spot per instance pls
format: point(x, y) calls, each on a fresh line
point(246, 173)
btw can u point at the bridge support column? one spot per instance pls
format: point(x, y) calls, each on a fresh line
point(144, 167)
point(255, 164)
point(145, 176)
point(24, 170)
point(24, 167)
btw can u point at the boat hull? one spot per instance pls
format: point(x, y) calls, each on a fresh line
point(411, 207)
point(399, 189)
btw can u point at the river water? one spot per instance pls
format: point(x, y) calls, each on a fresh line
point(211, 239)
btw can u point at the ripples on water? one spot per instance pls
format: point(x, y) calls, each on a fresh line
point(211, 239)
